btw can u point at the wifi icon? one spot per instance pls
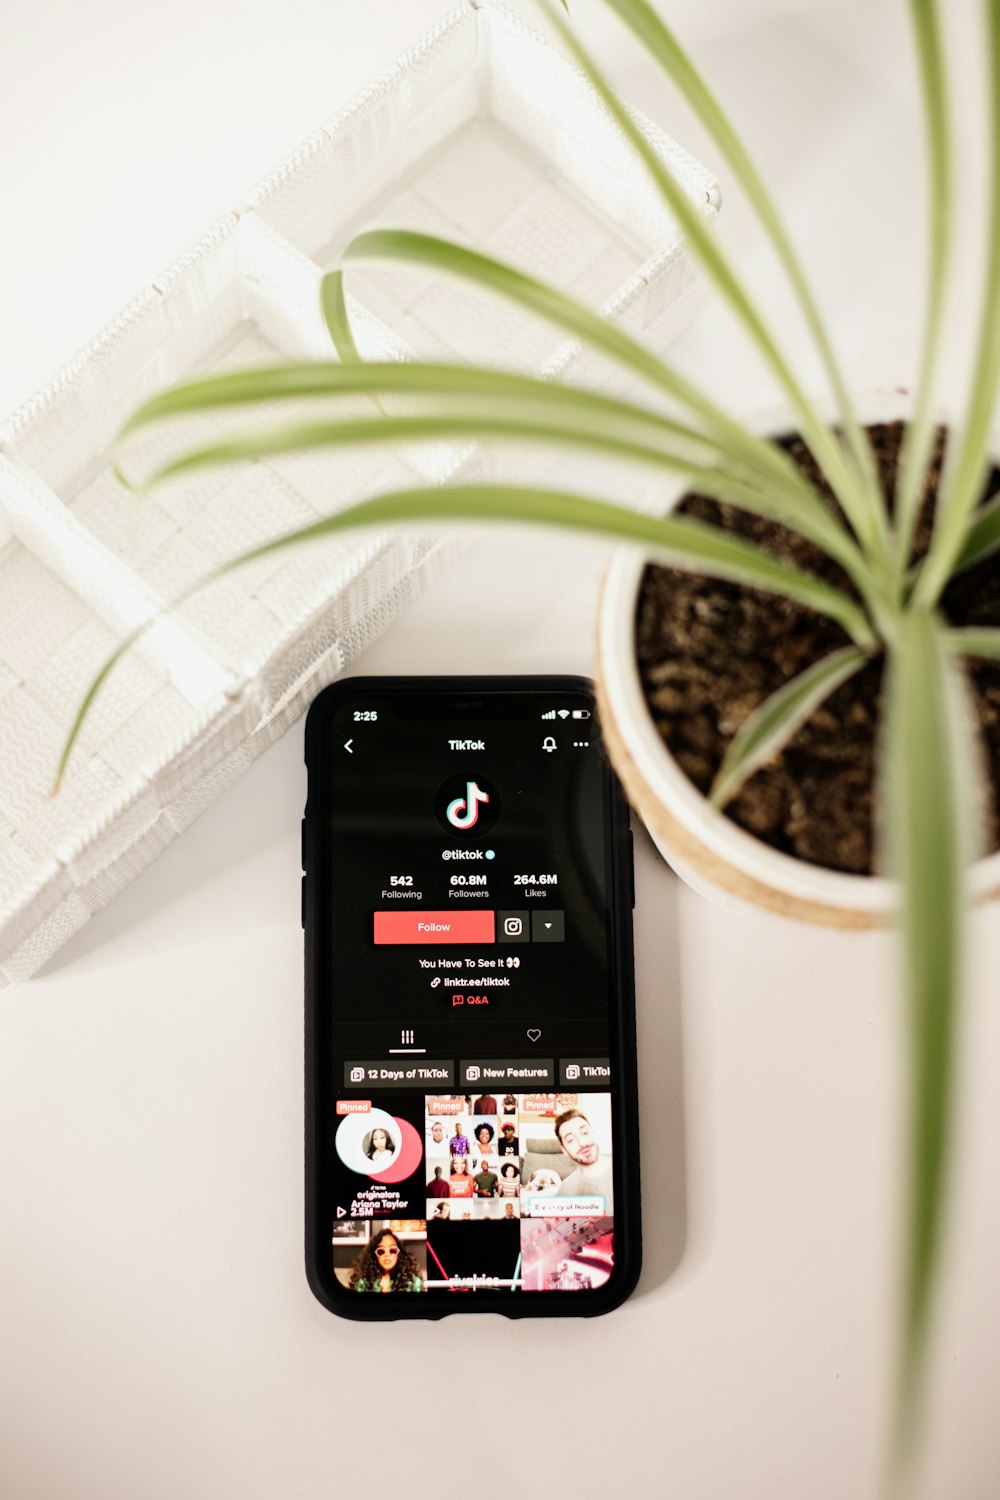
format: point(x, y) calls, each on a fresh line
point(564, 713)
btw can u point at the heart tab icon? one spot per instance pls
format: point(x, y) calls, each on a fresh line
point(533, 1033)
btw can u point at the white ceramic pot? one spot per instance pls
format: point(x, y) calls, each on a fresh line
point(706, 848)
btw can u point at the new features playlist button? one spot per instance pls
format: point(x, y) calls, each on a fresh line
point(518, 1072)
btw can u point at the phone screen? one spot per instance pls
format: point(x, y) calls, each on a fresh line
point(468, 992)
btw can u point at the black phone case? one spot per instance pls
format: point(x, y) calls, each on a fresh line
point(627, 1219)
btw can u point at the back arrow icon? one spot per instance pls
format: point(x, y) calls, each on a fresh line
point(347, 746)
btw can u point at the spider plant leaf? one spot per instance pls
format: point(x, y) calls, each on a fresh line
point(919, 435)
point(333, 305)
point(575, 318)
point(967, 461)
point(87, 702)
point(857, 506)
point(775, 494)
point(926, 781)
point(662, 45)
point(295, 381)
point(770, 727)
point(537, 297)
point(594, 423)
point(974, 640)
point(549, 412)
point(680, 542)
point(334, 308)
point(354, 376)
point(511, 421)
point(438, 387)
point(982, 537)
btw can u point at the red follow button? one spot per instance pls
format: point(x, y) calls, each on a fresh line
point(434, 927)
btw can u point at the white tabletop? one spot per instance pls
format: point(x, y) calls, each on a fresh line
point(157, 1336)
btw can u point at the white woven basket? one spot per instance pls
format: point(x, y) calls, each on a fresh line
point(482, 133)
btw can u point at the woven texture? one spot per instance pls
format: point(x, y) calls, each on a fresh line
point(482, 134)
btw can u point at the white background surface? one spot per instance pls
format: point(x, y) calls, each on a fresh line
point(157, 1337)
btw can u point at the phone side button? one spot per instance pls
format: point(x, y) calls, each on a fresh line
point(303, 901)
point(631, 866)
point(303, 843)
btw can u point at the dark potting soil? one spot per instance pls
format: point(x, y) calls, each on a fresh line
point(710, 652)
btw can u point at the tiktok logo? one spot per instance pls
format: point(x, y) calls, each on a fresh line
point(467, 804)
point(463, 812)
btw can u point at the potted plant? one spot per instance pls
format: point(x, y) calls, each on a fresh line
point(854, 529)
point(797, 836)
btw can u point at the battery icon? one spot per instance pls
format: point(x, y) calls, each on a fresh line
point(581, 713)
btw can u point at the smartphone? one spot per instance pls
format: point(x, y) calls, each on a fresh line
point(471, 1112)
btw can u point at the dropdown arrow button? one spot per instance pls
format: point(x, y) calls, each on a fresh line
point(548, 926)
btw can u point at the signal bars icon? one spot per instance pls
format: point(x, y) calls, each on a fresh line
point(550, 715)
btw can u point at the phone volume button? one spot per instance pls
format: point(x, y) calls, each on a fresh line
point(303, 843)
point(631, 866)
point(303, 901)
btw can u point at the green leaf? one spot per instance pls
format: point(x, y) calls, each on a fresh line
point(967, 462)
point(318, 378)
point(581, 322)
point(974, 640)
point(510, 422)
point(334, 307)
point(770, 727)
point(572, 415)
point(661, 43)
point(426, 381)
point(863, 515)
point(333, 304)
point(559, 419)
point(677, 541)
point(982, 537)
point(926, 778)
point(88, 700)
point(919, 436)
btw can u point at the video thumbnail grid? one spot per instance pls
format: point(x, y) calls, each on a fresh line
point(448, 1192)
